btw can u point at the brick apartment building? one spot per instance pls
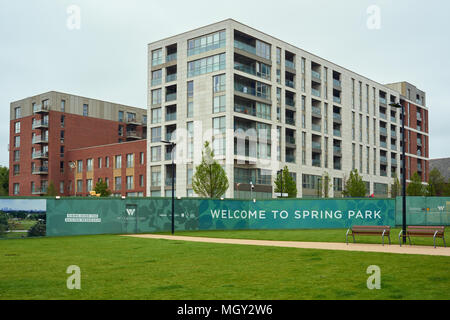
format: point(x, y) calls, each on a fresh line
point(51, 130)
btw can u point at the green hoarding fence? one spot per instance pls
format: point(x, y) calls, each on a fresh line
point(117, 216)
point(423, 211)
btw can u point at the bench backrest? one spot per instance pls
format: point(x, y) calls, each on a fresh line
point(426, 230)
point(371, 229)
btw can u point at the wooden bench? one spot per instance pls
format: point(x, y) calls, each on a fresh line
point(421, 231)
point(369, 231)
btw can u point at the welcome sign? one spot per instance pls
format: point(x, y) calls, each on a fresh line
point(295, 214)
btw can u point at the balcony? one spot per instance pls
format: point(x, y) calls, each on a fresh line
point(171, 97)
point(171, 116)
point(168, 156)
point(290, 121)
point(316, 162)
point(419, 117)
point(337, 116)
point(40, 171)
point(290, 158)
point(337, 151)
point(41, 109)
point(383, 144)
point(337, 166)
point(383, 160)
point(290, 140)
point(394, 162)
point(316, 111)
point(290, 64)
point(337, 99)
point(383, 116)
point(316, 127)
point(171, 57)
point(169, 182)
point(290, 83)
point(337, 83)
point(337, 133)
point(383, 101)
point(383, 131)
point(171, 77)
point(316, 147)
point(39, 191)
point(40, 155)
point(133, 120)
point(290, 102)
point(251, 91)
point(156, 82)
point(316, 76)
point(315, 92)
point(171, 136)
point(383, 173)
point(40, 140)
point(419, 142)
point(133, 135)
point(393, 134)
point(393, 119)
point(40, 124)
point(244, 47)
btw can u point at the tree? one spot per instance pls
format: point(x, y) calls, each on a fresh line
point(285, 184)
point(395, 188)
point(354, 186)
point(210, 179)
point(436, 184)
point(3, 222)
point(101, 188)
point(51, 190)
point(38, 230)
point(415, 187)
point(325, 185)
point(4, 181)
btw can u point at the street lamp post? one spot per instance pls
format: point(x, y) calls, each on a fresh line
point(72, 166)
point(173, 144)
point(281, 172)
point(401, 106)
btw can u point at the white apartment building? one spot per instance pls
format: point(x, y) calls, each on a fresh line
point(265, 104)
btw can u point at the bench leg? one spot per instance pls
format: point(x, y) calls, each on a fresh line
point(410, 243)
point(434, 241)
point(389, 237)
point(354, 240)
point(443, 239)
point(400, 238)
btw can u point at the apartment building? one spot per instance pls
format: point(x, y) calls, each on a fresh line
point(50, 131)
point(265, 104)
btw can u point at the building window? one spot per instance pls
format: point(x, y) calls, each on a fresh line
point(61, 187)
point(130, 160)
point(16, 155)
point(16, 169)
point(89, 165)
point(99, 163)
point(63, 120)
point(17, 127)
point(63, 107)
point(219, 104)
point(219, 83)
point(141, 180)
point(85, 110)
point(156, 154)
point(17, 142)
point(17, 113)
point(190, 174)
point(142, 158)
point(156, 77)
point(79, 186)
point(156, 115)
point(156, 96)
point(206, 65)
point(89, 185)
point(190, 109)
point(79, 166)
point(16, 189)
point(107, 162)
point(121, 115)
point(118, 183)
point(156, 176)
point(157, 57)
point(206, 43)
point(130, 184)
point(156, 135)
point(118, 162)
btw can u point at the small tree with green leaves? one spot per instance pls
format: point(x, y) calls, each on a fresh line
point(101, 188)
point(396, 188)
point(355, 186)
point(51, 190)
point(285, 184)
point(415, 187)
point(210, 179)
point(4, 181)
point(325, 185)
point(3, 222)
point(436, 184)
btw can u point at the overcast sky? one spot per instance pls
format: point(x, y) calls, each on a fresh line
point(106, 58)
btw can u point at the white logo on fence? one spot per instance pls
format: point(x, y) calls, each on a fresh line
point(441, 209)
point(374, 19)
point(74, 18)
point(131, 212)
point(74, 281)
point(374, 281)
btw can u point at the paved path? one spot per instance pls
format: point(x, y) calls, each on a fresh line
point(415, 250)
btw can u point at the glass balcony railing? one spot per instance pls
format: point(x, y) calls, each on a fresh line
point(337, 166)
point(383, 116)
point(337, 150)
point(39, 139)
point(41, 108)
point(337, 83)
point(337, 133)
point(316, 162)
point(316, 111)
point(245, 47)
point(383, 159)
point(156, 82)
point(40, 124)
point(316, 127)
point(244, 68)
point(40, 170)
point(157, 62)
point(393, 119)
point(290, 140)
point(290, 83)
point(290, 102)
point(207, 47)
point(336, 99)
point(290, 64)
point(383, 100)
point(38, 191)
point(290, 158)
point(316, 145)
point(251, 91)
point(315, 92)
point(245, 110)
point(171, 57)
point(383, 130)
point(171, 136)
point(383, 173)
point(419, 142)
point(315, 75)
point(171, 96)
point(39, 155)
point(169, 181)
point(171, 77)
point(393, 134)
point(383, 144)
point(337, 116)
point(171, 116)
point(290, 121)
point(394, 162)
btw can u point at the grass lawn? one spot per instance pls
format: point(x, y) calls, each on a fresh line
point(333, 235)
point(21, 224)
point(114, 267)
